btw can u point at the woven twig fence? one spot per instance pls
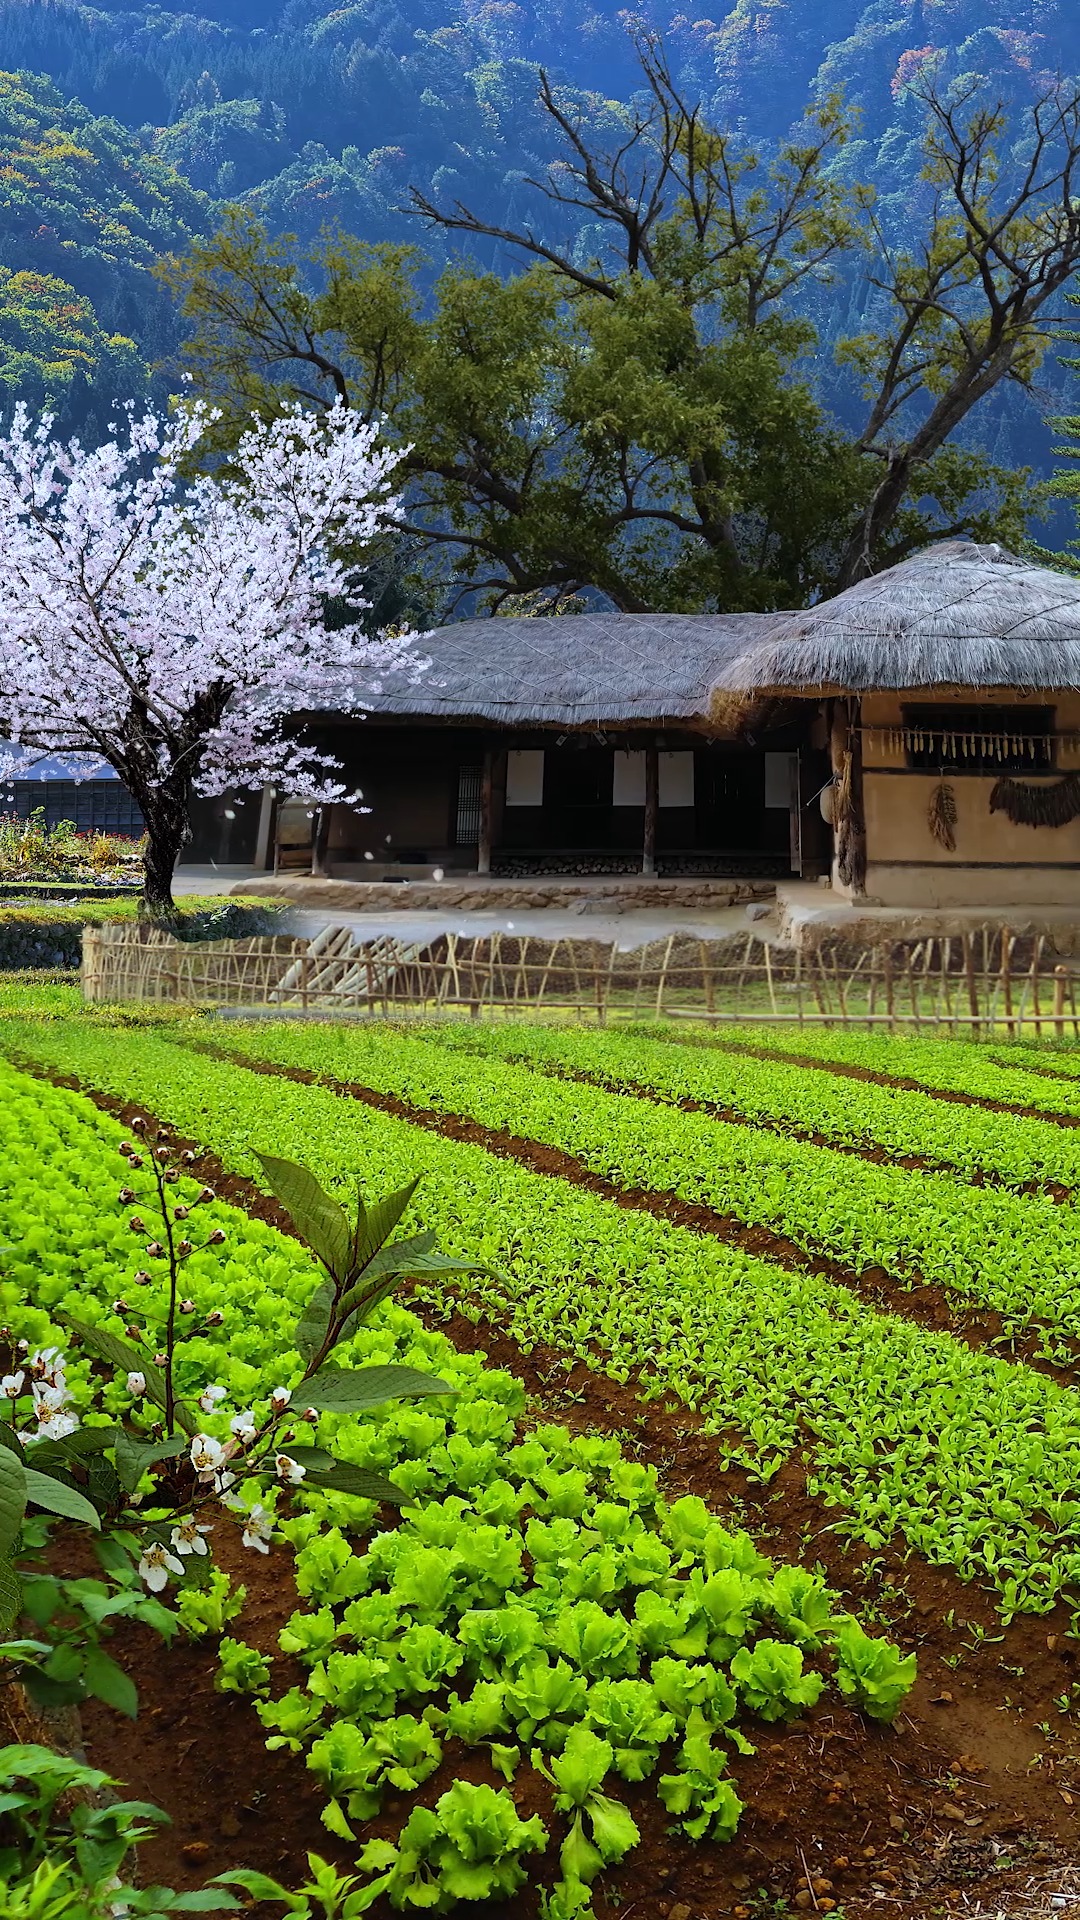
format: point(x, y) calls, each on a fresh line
point(991, 979)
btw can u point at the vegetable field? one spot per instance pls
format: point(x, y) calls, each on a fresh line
point(736, 1569)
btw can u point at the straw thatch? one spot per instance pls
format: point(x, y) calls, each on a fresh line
point(571, 670)
point(955, 615)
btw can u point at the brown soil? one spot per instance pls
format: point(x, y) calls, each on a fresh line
point(928, 1306)
point(960, 1800)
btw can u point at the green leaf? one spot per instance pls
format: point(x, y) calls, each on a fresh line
point(134, 1456)
point(12, 1498)
point(355, 1389)
point(55, 1497)
point(10, 1439)
point(313, 1322)
point(10, 1595)
point(108, 1682)
point(45, 1692)
point(374, 1225)
point(260, 1887)
point(345, 1478)
point(315, 1214)
point(128, 1358)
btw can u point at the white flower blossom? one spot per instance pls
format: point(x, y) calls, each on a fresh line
point(188, 1537)
point(52, 1425)
point(288, 1470)
point(207, 1456)
point(47, 1366)
point(136, 1384)
point(258, 1529)
point(210, 1396)
point(156, 1565)
point(280, 1398)
point(12, 1384)
point(243, 1425)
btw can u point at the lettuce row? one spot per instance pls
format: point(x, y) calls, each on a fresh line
point(782, 1095)
point(1017, 1254)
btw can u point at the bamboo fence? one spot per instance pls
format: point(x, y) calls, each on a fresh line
point(990, 980)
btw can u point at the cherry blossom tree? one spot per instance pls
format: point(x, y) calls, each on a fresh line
point(174, 627)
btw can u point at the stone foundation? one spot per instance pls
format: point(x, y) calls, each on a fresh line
point(614, 894)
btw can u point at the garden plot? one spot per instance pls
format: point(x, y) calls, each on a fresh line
point(970, 1460)
point(541, 1617)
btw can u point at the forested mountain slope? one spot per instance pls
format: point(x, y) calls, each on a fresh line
point(147, 117)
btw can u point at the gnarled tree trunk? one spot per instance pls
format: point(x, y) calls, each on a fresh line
point(165, 811)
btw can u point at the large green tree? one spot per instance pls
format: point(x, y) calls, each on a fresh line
point(639, 413)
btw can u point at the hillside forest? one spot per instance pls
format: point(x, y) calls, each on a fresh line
point(127, 133)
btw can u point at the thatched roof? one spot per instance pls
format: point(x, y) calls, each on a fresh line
point(571, 670)
point(955, 615)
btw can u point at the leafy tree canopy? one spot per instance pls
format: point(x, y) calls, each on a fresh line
point(636, 413)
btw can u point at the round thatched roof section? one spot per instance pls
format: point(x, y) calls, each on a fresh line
point(569, 670)
point(954, 615)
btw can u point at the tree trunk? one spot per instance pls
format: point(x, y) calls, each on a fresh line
point(165, 812)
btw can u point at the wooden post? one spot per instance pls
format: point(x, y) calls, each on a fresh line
point(487, 794)
point(652, 807)
point(320, 840)
point(1061, 981)
point(1006, 981)
point(973, 992)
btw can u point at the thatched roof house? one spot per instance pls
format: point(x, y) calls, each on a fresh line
point(950, 685)
point(955, 614)
point(579, 743)
point(576, 670)
point(930, 716)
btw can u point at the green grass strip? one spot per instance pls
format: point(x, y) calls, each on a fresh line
point(975, 1461)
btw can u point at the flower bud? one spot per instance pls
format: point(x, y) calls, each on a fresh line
point(137, 1223)
point(135, 1160)
point(136, 1384)
point(133, 1332)
point(311, 1415)
point(126, 1195)
point(215, 1319)
point(125, 1148)
point(187, 1306)
point(155, 1250)
point(204, 1194)
point(142, 1278)
point(181, 1213)
point(189, 1156)
point(183, 1248)
point(138, 1125)
point(161, 1359)
point(170, 1178)
point(120, 1306)
point(215, 1239)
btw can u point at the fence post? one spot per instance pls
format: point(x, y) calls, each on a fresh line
point(1061, 978)
point(973, 992)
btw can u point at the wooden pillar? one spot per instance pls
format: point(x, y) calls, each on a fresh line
point(264, 834)
point(320, 839)
point(487, 794)
point(849, 827)
point(652, 807)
